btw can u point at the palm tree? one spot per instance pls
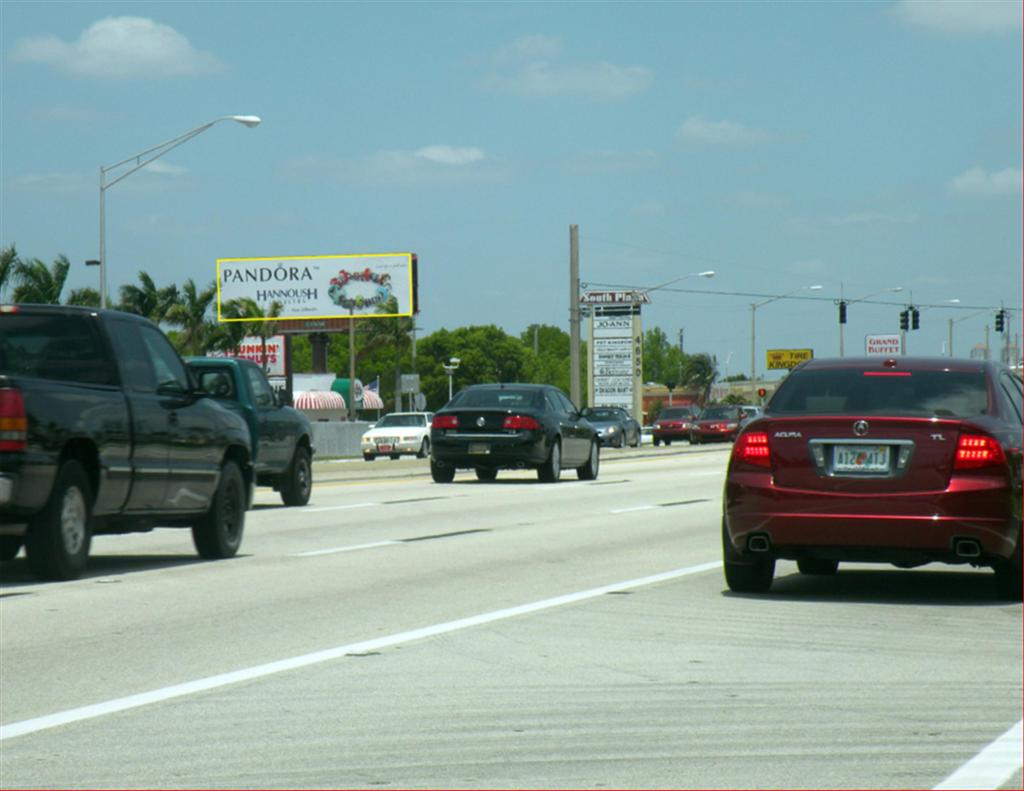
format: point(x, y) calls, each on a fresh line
point(148, 300)
point(262, 325)
point(395, 333)
point(88, 297)
point(38, 283)
point(699, 373)
point(8, 260)
point(190, 314)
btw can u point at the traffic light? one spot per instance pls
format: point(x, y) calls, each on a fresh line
point(915, 316)
point(904, 320)
point(762, 392)
point(842, 312)
point(1000, 321)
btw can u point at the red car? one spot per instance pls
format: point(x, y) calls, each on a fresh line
point(672, 423)
point(716, 424)
point(901, 460)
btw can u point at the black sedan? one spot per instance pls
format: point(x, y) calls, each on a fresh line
point(491, 427)
point(615, 426)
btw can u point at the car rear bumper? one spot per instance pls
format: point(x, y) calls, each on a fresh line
point(876, 527)
point(491, 451)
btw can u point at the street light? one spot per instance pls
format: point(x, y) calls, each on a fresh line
point(953, 321)
point(753, 330)
point(142, 159)
point(844, 302)
point(450, 368)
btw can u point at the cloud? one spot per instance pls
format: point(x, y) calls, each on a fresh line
point(450, 155)
point(531, 67)
point(961, 16)
point(119, 48)
point(871, 218)
point(698, 129)
point(752, 199)
point(868, 220)
point(52, 183)
point(435, 164)
point(605, 162)
point(980, 183)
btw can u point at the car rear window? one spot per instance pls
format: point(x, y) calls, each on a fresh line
point(856, 392)
point(675, 414)
point(53, 346)
point(504, 399)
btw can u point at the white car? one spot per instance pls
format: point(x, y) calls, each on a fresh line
point(397, 434)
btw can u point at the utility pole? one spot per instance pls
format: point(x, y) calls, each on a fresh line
point(574, 314)
point(681, 330)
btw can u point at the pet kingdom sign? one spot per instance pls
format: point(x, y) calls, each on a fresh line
point(320, 286)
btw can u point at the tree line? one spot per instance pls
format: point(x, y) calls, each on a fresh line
point(385, 348)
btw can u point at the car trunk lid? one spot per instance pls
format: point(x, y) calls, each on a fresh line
point(867, 455)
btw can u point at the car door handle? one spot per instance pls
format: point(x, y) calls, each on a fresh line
point(172, 418)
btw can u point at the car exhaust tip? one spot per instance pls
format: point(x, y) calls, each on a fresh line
point(758, 544)
point(967, 548)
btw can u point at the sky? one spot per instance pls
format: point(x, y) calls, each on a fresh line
point(856, 146)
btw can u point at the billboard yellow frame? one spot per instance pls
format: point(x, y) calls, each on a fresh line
point(300, 278)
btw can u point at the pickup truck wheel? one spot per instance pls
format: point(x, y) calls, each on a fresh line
point(424, 449)
point(57, 542)
point(298, 481)
point(9, 546)
point(218, 533)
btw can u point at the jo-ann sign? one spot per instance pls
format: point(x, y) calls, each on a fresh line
point(776, 359)
point(320, 286)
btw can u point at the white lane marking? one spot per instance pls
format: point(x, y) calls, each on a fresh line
point(82, 713)
point(634, 508)
point(994, 765)
point(337, 508)
point(351, 548)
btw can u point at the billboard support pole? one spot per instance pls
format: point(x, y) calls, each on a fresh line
point(351, 367)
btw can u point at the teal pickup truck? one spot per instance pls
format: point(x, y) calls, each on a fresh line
point(282, 447)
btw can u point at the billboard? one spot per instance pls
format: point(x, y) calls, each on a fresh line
point(785, 359)
point(888, 343)
point(251, 348)
point(319, 286)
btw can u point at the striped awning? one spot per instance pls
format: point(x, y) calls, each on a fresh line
point(371, 400)
point(317, 399)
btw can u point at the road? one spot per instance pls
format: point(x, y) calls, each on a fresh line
point(401, 633)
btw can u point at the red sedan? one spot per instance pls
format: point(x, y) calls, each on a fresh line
point(716, 424)
point(901, 460)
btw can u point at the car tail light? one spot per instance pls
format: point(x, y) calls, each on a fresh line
point(13, 422)
point(520, 422)
point(752, 448)
point(445, 421)
point(978, 450)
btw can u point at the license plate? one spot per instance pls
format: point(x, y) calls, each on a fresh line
point(479, 449)
point(860, 458)
point(384, 448)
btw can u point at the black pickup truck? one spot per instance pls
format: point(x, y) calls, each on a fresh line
point(103, 430)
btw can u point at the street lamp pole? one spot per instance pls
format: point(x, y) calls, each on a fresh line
point(953, 321)
point(142, 159)
point(450, 368)
point(753, 331)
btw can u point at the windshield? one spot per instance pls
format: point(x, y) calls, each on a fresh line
point(401, 421)
point(719, 413)
point(856, 392)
